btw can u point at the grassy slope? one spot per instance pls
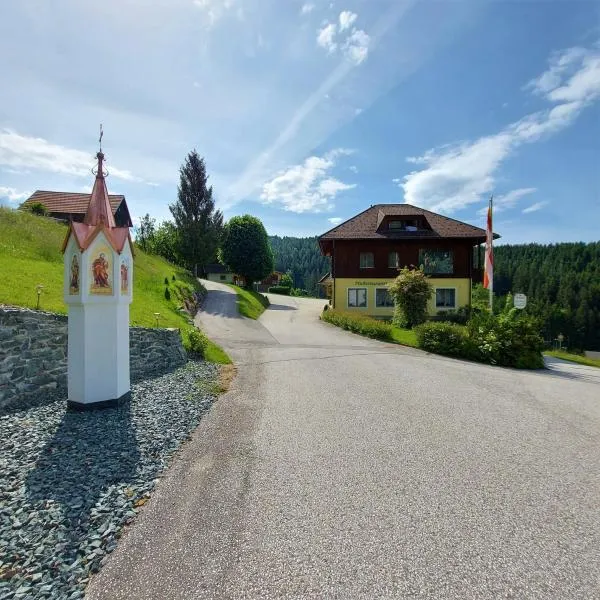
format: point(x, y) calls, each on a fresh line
point(30, 255)
point(216, 354)
point(576, 358)
point(250, 304)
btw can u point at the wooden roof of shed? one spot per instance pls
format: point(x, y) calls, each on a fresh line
point(69, 202)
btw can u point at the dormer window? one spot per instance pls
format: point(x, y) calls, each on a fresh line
point(403, 225)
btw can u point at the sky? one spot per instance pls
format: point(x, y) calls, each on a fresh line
point(310, 111)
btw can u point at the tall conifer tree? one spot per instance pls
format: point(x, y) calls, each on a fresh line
point(199, 225)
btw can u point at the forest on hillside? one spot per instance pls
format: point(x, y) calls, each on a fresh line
point(562, 282)
point(303, 259)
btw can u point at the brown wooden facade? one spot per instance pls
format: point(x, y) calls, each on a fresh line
point(345, 256)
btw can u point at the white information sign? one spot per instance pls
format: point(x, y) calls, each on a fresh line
point(520, 301)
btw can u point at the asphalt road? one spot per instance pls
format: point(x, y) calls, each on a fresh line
point(340, 467)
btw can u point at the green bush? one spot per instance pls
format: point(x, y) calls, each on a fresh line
point(38, 208)
point(410, 290)
point(167, 294)
point(166, 281)
point(357, 323)
point(299, 292)
point(195, 342)
point(449, 339)
point(509, 339)
point(460, 316)
point(280, 289)
point(286, 280)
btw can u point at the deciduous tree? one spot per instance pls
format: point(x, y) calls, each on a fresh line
point(246, 249)
point(410, 290)
point(144, 232)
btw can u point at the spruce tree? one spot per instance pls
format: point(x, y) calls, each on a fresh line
point(199, 225)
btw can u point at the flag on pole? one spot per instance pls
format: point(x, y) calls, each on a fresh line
point(488, 275)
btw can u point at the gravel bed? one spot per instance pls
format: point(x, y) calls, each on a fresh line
point(70, 481)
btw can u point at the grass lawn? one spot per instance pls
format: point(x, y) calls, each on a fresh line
point(30, 255)
point(216, 354)
point(576, 358)
point(406, 337)
point(250, 304)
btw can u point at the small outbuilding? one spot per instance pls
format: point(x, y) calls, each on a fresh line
point(70, 206)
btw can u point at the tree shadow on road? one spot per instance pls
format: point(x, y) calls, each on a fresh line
point(281, 307)
point(220, 303)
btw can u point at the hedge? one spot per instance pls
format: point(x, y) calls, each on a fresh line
point(509, 340)
point(280, 289)
point(442, 338)
point(358, 323)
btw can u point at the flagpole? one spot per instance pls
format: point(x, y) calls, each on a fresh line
point(491, 253)
point(488, 272)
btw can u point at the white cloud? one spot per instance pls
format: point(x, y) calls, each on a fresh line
point(307, 187)
point(335, 220)
point(559, 62)
point(304, 138)
point(326, 36)
point(353, 168)
point(457, 175)
point(307, 8)
point(20, 151)
point(534, 207)
point(347, 18)
point(356, 46)
point(215, 10)
point(11, 197)
point(506, 201)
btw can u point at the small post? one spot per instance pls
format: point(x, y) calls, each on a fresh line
point(157, 316)
point(38, 288)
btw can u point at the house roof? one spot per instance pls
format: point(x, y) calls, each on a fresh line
point(216, 268)
point(69, 202)
point(365, 225)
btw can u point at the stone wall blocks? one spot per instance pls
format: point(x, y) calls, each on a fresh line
point(33, 354)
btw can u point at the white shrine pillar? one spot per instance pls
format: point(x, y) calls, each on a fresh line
point(98, 269)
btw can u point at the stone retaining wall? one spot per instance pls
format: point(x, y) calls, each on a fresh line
point(154, 351)
point(33, 354)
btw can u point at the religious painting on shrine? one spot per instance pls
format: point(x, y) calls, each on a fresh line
point(124, 275)
point(74, 275)
point(101, 271)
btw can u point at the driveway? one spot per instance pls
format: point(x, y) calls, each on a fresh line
point(341, 467)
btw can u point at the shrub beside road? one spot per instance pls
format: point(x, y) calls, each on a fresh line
point(511, 339)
